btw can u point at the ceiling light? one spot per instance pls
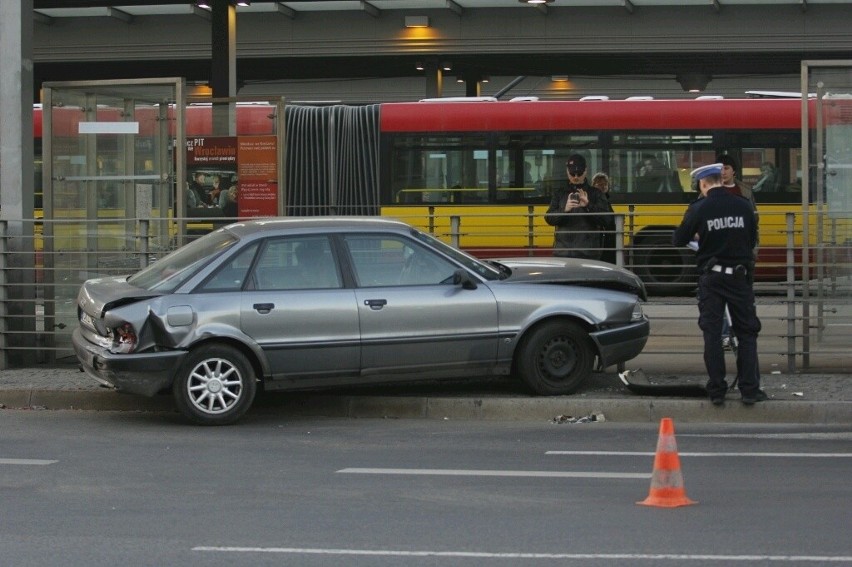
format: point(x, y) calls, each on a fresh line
point(447, 66)
point(535, 2)
point(419, 66)
point(417, 21)
point(203, 4)
point(243, 3)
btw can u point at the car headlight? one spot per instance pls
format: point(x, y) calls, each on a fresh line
point(637, 314)
point(124, 339)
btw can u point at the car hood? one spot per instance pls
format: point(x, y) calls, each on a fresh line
point(98, 296)
point(574, 271)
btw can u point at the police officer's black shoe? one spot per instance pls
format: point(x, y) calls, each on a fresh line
point(753, 397)
point(717, 399)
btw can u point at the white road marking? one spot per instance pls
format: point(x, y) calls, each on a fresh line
point(816, 435)
point(465, 472)
point(489, 555)
point(715, 454)
point(26, 462)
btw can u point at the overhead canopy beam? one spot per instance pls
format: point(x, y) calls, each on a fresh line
point(370, 9)
point(455, 8)
point(119, 15)
point(285, 10)
point(42, 19)
point(201, 13)
point(628, 5)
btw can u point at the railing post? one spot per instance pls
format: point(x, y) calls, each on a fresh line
point(143, 243)
point(530, 230)
point(455, 228)
point(791, 293)
point(619, 240)
point(631, 227)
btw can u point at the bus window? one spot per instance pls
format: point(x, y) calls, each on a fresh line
point(438, 170)
point(657, 163)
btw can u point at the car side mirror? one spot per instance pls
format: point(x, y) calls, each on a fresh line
point(461, 277)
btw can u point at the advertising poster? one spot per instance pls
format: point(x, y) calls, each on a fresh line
point(232, 176)
point(257, 164)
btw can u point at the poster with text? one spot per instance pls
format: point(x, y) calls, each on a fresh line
point(232, 176)
point(257, 167)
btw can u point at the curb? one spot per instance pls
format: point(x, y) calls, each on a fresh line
point(637, 410)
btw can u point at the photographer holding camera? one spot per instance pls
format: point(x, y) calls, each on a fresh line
point(577, 212)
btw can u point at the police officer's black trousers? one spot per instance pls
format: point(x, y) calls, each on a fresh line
point(716, 289)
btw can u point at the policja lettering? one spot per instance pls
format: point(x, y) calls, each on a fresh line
point(725, 222)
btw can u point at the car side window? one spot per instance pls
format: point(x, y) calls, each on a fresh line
point(232, 275)
point(380, 261)
point(304, 262)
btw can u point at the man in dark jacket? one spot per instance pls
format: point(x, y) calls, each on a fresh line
point(726, 232)
point(577, 213)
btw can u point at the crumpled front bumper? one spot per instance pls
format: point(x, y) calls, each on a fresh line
point(622, 343)
point(144, 373)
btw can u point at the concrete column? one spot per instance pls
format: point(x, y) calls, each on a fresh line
point(223, 73)
point(434, 78)
point(17, 306)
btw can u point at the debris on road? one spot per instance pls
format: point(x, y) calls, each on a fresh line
point(559, 419)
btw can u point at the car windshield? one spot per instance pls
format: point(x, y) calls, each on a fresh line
point(485, 270)
point(169, 272)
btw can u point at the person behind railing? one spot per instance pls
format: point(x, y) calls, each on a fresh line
point(577, 233)
point(600, 181)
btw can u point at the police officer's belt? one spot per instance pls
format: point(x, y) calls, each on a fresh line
point(730, 270)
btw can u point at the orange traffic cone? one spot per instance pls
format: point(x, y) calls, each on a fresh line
point(667, 482)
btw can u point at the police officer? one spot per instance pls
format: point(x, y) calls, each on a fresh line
point(726, 231)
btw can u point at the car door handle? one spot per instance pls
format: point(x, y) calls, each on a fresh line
point(375, 304)
point(264, 308)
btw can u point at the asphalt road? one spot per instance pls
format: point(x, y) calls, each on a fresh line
point(124, 488)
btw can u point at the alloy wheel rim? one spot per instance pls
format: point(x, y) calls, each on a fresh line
point(214, 386)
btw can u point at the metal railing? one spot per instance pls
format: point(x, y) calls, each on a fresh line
point(804, 300)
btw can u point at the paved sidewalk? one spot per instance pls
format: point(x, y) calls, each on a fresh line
point(798, 398)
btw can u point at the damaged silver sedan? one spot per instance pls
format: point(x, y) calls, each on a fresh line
point(288, 304)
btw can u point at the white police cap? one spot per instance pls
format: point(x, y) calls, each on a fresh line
point(705, 170)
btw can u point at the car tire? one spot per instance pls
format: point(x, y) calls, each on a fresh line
point(215, 385)
point(555, 358)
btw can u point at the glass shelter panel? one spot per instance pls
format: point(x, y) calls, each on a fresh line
point(108, 163)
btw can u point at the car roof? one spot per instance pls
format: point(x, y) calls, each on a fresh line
point(275, 224)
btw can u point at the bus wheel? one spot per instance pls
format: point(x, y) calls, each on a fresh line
point(665, 269)
point(555, 358)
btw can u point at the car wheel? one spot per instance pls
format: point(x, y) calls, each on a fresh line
point(555, 358)
point(215, 385)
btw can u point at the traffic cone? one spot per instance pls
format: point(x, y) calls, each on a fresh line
point(667, 482)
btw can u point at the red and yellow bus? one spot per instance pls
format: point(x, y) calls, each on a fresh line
point(491, 167)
